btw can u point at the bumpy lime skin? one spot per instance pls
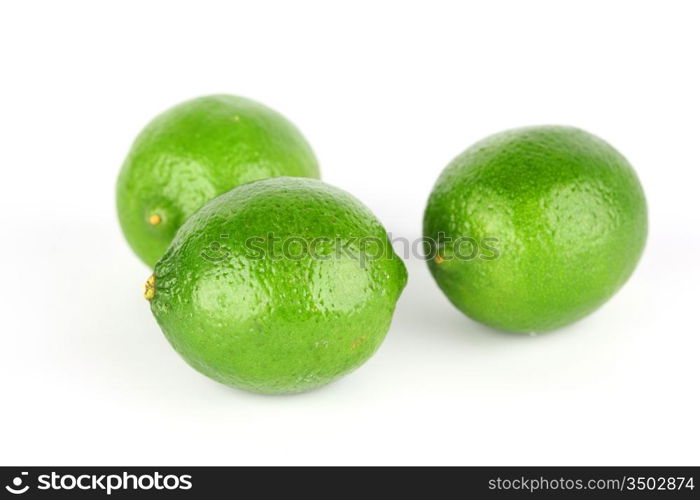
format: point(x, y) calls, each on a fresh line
point(244, 311)
point(196, 151)
point(569, 215)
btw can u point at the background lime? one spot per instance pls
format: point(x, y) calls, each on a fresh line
point(196, 151)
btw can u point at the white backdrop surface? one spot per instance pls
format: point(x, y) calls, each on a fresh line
point(387, 93)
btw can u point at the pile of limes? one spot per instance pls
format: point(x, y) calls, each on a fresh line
point(267, 279)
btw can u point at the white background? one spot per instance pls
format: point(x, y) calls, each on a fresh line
point(387, 93)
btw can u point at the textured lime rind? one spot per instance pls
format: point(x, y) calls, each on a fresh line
point(196, 151)
point(570, 220)
point(244, 311)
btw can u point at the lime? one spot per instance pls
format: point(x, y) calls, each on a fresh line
point(534, 228)
point(278, 286)
point(196, 151)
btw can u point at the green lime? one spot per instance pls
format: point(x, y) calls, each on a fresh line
point(278, 286)
point(196, 151)
point(534, 228)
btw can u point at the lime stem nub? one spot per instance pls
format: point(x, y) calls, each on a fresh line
point(150, 287)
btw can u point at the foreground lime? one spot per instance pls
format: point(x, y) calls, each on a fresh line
point(534, 228)
point(195, 152)
point(278, 286)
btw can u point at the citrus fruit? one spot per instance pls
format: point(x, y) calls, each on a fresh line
point(278, 286)
point(534, 228)
point(196, 151)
